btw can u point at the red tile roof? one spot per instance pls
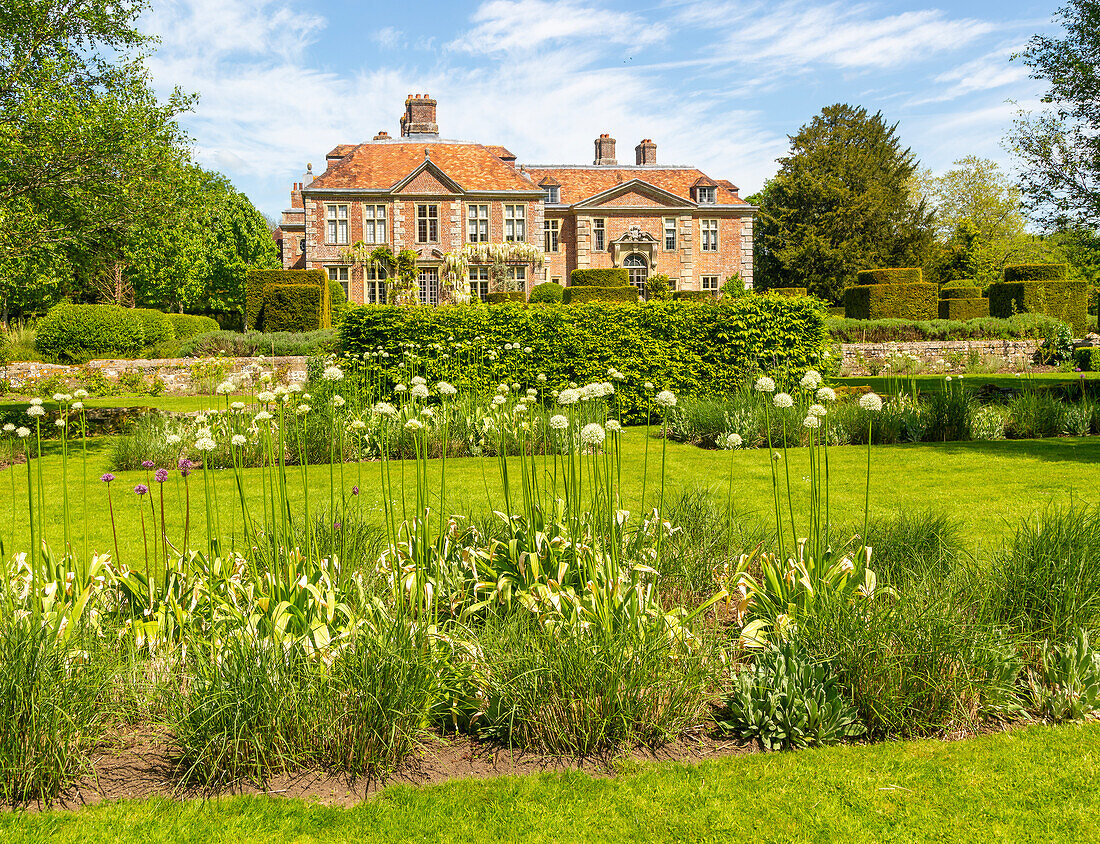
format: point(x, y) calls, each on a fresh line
point(381, 165)
point(580, 183)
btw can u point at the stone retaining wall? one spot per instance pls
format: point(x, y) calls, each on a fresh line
point(177, 375)
point(939, 355)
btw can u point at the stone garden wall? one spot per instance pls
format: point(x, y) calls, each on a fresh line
point(938, 355)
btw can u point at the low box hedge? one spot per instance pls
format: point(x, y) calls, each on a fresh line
point(892, 301)
point(614, 277)
point(501, 296)
point(890, 275)
point(187, 326)
point(690, 348)
point(964, 309)
point(572, 295)
point(257, 283)
point(78, 333)
point(1036, 272)
point(693, 295)
point(1087, 358)
point(789, 291)
point(1063, 300)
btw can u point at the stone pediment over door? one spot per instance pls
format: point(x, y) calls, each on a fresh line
point(634, 240)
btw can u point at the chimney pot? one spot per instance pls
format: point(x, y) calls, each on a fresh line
point(645, 152)
point(605, 150)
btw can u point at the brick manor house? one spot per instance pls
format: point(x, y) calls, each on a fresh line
point(434, 196)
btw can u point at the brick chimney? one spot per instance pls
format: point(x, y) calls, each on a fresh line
point(605, 150)
point(382, 135)
point(296, 196)
point(419, 117)
point(645, 152)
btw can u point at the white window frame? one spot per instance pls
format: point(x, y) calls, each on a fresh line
point(515, 223)
point(708, 230)
point(599, 234)
point(670, 232)
point(429, 293)
point(553, 194)
point(706, 195)
point(374, 224)
point(341, 274)
point(479, 282)
point(708, 282)
point(551, 235)
point(430, 219)
point(374, 285)
point(336, 224)
point(517, 274)
point(477, 223)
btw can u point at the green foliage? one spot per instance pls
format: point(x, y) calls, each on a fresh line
point(577, 295)
point(842, 200)
point(788, 291)
point(786, 701)
point(964, 288)
point(959, 257)
point(339, 302)
point(616, 277)
point(1087, 358)
point(693, 295)
point(689, 348)
point(156, 326)
point(901, 330)
point(548, 293)
point(890, 275)
point(915, 301)
point(259, 344)
point(1036, 272)
point(77, 333)
point(318, 315)
point(187, 326)
point(499, 297)
point(1067, 685)
point(1063, 300)
point(961, 310)
point(658, 287)
point(734, 287)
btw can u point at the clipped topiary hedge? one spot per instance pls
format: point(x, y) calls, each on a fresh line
point(890, 275)
point(78, 333)
point(615, 277)
point(292, 307)
point(917, 301)
point(1063, 300)
point(573, 295)
point(965, 288)
point(690, 348)
point(788, 291)
point(187, 326)
point(256, 285)
point(1087, 358)
point(156, 325)
point(964, 309)
point(548, 293)
point(693, 295)
point(1036, 272)
point(501, 296)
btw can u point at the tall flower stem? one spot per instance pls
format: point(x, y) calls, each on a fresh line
point(775, 477)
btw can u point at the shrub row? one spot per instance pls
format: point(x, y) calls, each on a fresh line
point(257, 344)
point(687, 347)
point(1020, 326)
point(77, 333)
point(577, 295)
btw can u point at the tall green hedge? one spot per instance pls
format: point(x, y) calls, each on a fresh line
point(891, 301)
point(156, 326)
point(79, 333)
point(1064, 300)
point(963, 288)
point(1036, 272)
point(292, 307)
point(256, 284)
point(576, 295)
point(890, 275)
point(187, 326)
point(788, 291)
point(688, 347)
point(964, 309)
point(499, 297)
point(615, 277)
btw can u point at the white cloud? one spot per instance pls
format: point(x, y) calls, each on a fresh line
point(985, 73)
point(389, 37)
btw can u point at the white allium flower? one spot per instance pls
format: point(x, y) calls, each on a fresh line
point(811, 380)
point(265, 396)
point(527, 350)
point(35, 410)
point(568, 397)
point(204, 444)
point(649, 386)
point(428, 413)
point(80, 394)
point(498, 400)
point(332, 373)
point(262, 416)
point(782, 401)
point(811, 422)
point(238, 440)
point(419, 380)
point(445, 389)
point(400, 388)
point(237, 405)
point(541, 378)
point(764, 384)
point(592, 434)
point(733, 441)
point(78, 405)
point(385, 409)
point(613, 426)
point(338, 400)
point(665, 398)
point(817, 410)
point(519, 409)
point(414, 425)
point(419, 391)
point(22, 432)
point(172, 439)
point(60, 423)
point(224, 388)
point(59, 397)
point(871, 402)
point(826, 394)
point(357, 424)
point(559, 422)
point(948, 379)
point(303, 409)
point(9, 428)
point(280, 390)
point(36, 402)
point(296, 387)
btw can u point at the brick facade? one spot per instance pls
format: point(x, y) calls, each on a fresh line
point(420, 170)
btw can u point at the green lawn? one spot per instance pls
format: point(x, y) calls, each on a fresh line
point(179, 404)
point(1041, 784)
point(987, 486)
point(1003, 380)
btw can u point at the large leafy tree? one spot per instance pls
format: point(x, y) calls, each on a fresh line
point(1060, 146)
point(842, 201)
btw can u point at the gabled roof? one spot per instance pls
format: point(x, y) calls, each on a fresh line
point(581, 183)
point(380, 166)
point(549, 182)
point(635, 186)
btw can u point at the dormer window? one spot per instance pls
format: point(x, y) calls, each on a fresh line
point(553, 194)
point(705, 195)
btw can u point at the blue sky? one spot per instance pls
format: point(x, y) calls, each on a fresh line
point(716, 84)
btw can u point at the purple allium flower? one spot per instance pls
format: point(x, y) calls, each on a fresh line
point(141, 489)
point(355, 490)
point(147, 464)
point(161, 475)
point(337, 525)
point(185, 466)
point(107, 478)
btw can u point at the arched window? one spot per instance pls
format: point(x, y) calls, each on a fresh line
point(638, 271)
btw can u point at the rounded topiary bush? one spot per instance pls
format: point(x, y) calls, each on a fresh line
point(187, 326)
point(156, 326)
point(78, 333)
point(548, 292)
